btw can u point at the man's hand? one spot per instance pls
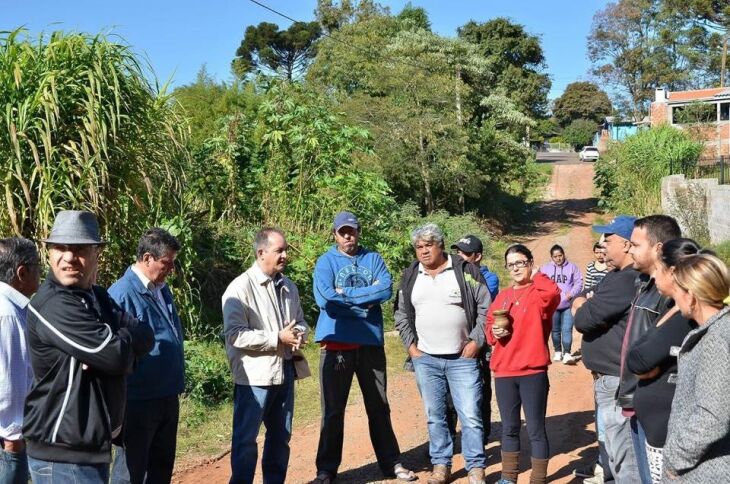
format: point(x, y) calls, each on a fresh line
point(499, 333)
point(288, 336)
point(649, 374)
point(14, 446)
point(470, 350)
point(577, 303)
point(414, 352)
point(339, 290)
point(299, 332)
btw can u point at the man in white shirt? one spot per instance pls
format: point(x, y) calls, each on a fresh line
point(263, 326)
point(19, 279)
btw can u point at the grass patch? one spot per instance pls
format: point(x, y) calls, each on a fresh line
point(205, 431)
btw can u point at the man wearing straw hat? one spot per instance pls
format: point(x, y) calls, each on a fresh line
point(264, 326)
point(82, 345)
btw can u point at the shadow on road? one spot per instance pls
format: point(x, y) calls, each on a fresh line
point(541, 217)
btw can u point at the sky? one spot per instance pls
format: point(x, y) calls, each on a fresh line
point(178, 37)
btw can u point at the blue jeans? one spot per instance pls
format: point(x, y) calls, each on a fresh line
point(44, 472)
point(13, 467)
point(436, 376)
point(616, 430)
point(638, 439)
point(562, 330)
point(274, 406)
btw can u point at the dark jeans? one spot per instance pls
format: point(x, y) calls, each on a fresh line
point(486, 377)
point(13, 467)
point(529, 393)
point(45, 472)
point(336, 369)
point(150, 438)
point(272, 405)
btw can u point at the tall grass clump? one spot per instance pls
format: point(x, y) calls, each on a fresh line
point(84, 128)
point(628, 176)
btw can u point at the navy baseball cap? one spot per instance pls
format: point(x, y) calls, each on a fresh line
point(345, 219)
point(622, 226)
point(469, 244)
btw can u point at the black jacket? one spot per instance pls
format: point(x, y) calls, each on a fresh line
point(80, 355)
point(645, 310)
point(602, 321)
point(474, 294)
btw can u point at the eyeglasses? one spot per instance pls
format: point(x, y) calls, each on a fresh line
point(517, 264)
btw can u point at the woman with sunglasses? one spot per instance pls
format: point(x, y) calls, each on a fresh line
point(520, 359)
point(697, 447)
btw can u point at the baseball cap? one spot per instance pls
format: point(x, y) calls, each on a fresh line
point(345, 219)
point(622, 226)
point(469, 244)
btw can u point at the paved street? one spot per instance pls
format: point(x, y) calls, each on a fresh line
point(558, 158)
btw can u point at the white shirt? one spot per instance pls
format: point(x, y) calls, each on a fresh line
point(16, 373)
point(441, 323)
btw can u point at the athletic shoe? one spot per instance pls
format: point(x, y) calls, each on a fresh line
point(558, 356)
point(568, 359)
point(587, 471)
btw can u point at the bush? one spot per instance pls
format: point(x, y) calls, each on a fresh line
point(207, 375)
point(628, 176)
point(723, 251)
point(580, 133)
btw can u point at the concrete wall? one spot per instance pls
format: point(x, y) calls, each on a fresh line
point(701, 206)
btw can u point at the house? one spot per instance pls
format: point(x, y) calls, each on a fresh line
point(613, 129)
point(705, 111)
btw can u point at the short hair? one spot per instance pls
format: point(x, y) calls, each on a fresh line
point(429, 232)
point(596, 246)
point(158, 242)
point(556, 247)
point(16, 252)
point(659, 228)
point(519, 249)
point(261, 239)
point(705, 276)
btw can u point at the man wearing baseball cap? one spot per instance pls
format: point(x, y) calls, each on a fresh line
point(601, 316)
point(350, 284)
point(82, 346)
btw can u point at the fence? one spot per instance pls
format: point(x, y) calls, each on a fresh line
point(718, 168)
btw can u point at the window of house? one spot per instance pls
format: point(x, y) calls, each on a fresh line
point(693, 113)
point(724, 111)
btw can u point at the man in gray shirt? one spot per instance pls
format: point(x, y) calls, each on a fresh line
point(440, 313)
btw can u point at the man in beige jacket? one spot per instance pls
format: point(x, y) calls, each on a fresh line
point(264, 326)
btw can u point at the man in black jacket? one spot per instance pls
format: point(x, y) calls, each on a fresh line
point(602, 321)
point(82, 346)
point(440, 314)
point(647, 238)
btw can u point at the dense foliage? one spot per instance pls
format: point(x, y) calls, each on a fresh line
point(628, 176)
point(580, 133)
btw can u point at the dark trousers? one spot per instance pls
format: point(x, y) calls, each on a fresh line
point(336, 369)
point(486, 377)
point(529, 393)
point(150, 438)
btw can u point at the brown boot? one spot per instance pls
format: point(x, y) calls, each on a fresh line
point(510, 466)
point(440, 474)
point(539, 471)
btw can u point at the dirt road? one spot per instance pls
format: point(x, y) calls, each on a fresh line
point(565, 218)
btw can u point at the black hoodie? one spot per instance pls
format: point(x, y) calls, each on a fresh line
point(602, 321)
point(80, 354)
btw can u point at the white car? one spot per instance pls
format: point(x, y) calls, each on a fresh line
point(588, 153)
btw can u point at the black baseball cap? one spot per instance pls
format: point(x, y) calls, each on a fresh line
point(469, 244)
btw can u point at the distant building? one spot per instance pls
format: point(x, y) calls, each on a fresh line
point(613, 129)
point(706, 111)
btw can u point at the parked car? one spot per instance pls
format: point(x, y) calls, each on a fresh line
point(588, 153)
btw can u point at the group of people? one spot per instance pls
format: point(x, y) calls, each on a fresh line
point(92, 377)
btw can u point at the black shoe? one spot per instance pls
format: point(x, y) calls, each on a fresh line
point(587, 471)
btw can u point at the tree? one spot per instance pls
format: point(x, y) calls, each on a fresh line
point(332, 16)
point(288, 53)
point(416, 17)
point(637, 45)
point(581, 100)
point(516, 61)
point(580, 132)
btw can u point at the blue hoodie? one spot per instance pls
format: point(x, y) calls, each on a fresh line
point(355, 315)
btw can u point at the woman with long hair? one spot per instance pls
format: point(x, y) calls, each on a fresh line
point(518, 324)
point(651, 358)
point(697, 447)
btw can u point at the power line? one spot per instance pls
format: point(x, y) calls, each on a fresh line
point(352, 46)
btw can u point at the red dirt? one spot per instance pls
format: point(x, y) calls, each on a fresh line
point(565, 218)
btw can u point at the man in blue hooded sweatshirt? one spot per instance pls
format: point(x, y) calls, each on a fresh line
point(350, 284)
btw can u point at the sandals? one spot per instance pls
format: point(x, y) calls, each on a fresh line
point(403, 474)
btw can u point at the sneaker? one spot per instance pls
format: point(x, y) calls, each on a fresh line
point(593, 480)
point(476, 476)
point(587, 471)
point(558, 356)
point(568, 359)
